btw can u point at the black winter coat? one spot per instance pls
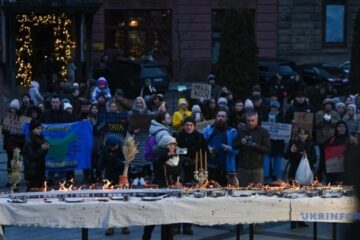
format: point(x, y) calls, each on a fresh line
point(193, 142)
point(295, 158)
point(252, 156)
point(56, 116)
point(34, 160)
point(113, 163)
point(164, 174)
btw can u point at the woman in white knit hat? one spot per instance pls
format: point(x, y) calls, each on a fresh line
point(166, 169)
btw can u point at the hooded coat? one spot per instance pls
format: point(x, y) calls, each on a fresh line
point(98, 90)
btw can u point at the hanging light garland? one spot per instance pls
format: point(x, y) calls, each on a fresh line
point(62, 44)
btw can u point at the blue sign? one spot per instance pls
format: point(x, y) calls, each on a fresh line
point(70, 145)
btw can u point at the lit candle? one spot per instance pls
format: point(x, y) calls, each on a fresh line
point(205, 160)
point(196, 160)
point(201, 159)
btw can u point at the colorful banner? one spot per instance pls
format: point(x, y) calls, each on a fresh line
point(70, 145)
point(112, 122)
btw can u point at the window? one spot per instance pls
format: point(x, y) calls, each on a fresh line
point(137, 33)
point(334, 23)
point(217, 23)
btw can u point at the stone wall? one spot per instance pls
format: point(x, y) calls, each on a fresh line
point(300, 32)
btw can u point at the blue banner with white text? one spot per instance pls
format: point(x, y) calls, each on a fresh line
point(70, 145)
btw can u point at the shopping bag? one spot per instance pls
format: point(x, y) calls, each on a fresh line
point(304, 174)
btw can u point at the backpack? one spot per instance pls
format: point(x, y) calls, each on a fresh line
point(148, 150)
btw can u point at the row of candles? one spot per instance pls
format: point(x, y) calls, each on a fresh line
point(201, 160)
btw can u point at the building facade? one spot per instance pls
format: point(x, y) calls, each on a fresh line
point(181, 34)
point(311, 31)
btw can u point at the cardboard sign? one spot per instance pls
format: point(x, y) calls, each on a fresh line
point(302, 120)
point(200, 90)
point(200, 126)
point(112, 122)
point(140, 121)
point(14, 123)
point(278, 131)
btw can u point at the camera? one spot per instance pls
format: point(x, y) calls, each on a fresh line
point(249, 140)
point(181, 151)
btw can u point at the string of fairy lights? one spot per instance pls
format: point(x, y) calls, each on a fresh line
point(63, 43)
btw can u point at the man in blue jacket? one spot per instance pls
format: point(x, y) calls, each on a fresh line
point(219, 137)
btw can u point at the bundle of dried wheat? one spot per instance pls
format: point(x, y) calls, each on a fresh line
point(130, 150)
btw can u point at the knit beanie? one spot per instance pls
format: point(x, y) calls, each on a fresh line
point(195, 109)
point(222, 101)
point(112, 140)
point(248, 104)
point(34, 124)
point(190, 119)
point(182, 101)
point(67, 105)
point(15, 104)
point(166, 140)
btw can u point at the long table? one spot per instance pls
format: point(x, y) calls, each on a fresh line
point(92, 213)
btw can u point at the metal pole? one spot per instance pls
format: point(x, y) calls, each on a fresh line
point(238, 228)
point(333, 231)
point(251, 231)
point(314, 230)
point(84, 234)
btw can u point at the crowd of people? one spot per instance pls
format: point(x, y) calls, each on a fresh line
point(240, 150)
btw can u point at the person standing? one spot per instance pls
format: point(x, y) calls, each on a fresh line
point(166, 171)
point(34, 154)
point(253, 141)
point(12, 139)
point(277, 146)
point(180, 114)
point(219, 137)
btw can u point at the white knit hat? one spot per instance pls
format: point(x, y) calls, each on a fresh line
point(67, 105)
point(222, 101)
point(248, 104)
point(15, 104)
point(166, 140)
point(196, 108)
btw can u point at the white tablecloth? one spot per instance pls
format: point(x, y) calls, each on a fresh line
point(95, 214)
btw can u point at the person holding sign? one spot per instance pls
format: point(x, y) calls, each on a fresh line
point(277, 146)
point(13, 134)
point(334, 152)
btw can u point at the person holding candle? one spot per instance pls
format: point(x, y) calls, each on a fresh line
point(195, 143)
point(219, 137)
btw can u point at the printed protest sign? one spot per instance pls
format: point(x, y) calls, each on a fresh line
point(302, 120)
point(200, 90)
point(278, 131)
point(200, 126)
point(112, 122)
point(14, 123)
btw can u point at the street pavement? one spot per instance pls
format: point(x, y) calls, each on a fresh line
point(270, 231)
